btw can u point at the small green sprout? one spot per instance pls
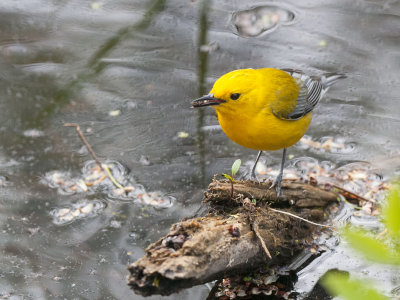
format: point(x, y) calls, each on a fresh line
point(235, 169)
point(156, 282)
point(246, 278)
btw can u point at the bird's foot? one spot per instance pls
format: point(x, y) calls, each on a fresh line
point(253, 176)
point(277, 185)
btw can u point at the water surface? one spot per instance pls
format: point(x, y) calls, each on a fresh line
point(73, 61)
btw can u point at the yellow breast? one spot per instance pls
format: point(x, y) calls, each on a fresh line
point(263, 131)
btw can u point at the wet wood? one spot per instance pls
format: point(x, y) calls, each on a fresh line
point(203, 249)
point(294, 193)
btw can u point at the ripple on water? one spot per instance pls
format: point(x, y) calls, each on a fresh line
point(261, 19)
point(93, 180)
point(79, 210)
point(327, 144)
point(359, 178)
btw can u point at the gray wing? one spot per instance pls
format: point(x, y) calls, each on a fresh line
point(312, 88)
point(311, 91)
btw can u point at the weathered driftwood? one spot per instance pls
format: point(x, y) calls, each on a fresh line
point(294, 194)
point(200, 250)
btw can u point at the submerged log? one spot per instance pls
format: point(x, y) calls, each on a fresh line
point(227, 241)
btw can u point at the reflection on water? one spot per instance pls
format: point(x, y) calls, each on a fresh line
point(202, 66)
point(253, 22)
point(69, 61)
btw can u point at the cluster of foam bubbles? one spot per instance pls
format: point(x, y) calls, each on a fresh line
point(94, 181)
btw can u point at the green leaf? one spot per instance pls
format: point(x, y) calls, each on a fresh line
point(227, 177)
point(391, 212)
point(236, 166)
point(156, 282)
point(350, 289)
point(370, 247)
point(246, 278)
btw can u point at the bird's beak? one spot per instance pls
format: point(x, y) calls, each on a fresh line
point(207, 100)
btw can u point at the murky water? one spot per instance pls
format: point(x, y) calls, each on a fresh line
point(126, 72)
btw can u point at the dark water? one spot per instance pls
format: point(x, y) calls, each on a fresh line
point(74, 61)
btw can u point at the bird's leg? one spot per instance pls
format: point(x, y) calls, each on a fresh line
point(253, 171)
point(278, 180)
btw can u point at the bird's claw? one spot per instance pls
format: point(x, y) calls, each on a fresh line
point(277, 185)
point(254, 177)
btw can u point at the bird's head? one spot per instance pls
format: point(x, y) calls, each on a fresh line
point(232, 91)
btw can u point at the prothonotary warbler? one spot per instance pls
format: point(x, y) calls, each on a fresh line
point(266, 109)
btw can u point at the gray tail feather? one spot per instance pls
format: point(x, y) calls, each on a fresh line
point(329, 79)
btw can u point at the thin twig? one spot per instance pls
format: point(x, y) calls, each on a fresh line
point(252, 216)
point(294, 216)
point(82, 137)
point(358, 197)
point(107, 169)
point(383, 235)
point(255, 229)
point(101, 166)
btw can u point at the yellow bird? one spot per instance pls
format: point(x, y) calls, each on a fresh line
point(266, 109)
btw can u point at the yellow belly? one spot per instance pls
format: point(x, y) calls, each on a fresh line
point(264, 131)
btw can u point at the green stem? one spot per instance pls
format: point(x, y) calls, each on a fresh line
point(113, 180)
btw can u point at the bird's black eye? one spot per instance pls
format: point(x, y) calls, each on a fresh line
point(235, 96)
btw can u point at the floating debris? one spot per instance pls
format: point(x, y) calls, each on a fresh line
point(322, 43)
point(182, 134)
point(115, 224)
point(33, 133)
point(261, 19)
point(80, 210)
point(156, 199)
point(94, 180)
point(126, 190)
point(114, 113)
point(211, 128)
point(144, 160)
point(208, 48)
point(327, 144)
point(63, 182)
point(92, 172)
point(33, 230)
point(92, 177)
point(96, 5)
